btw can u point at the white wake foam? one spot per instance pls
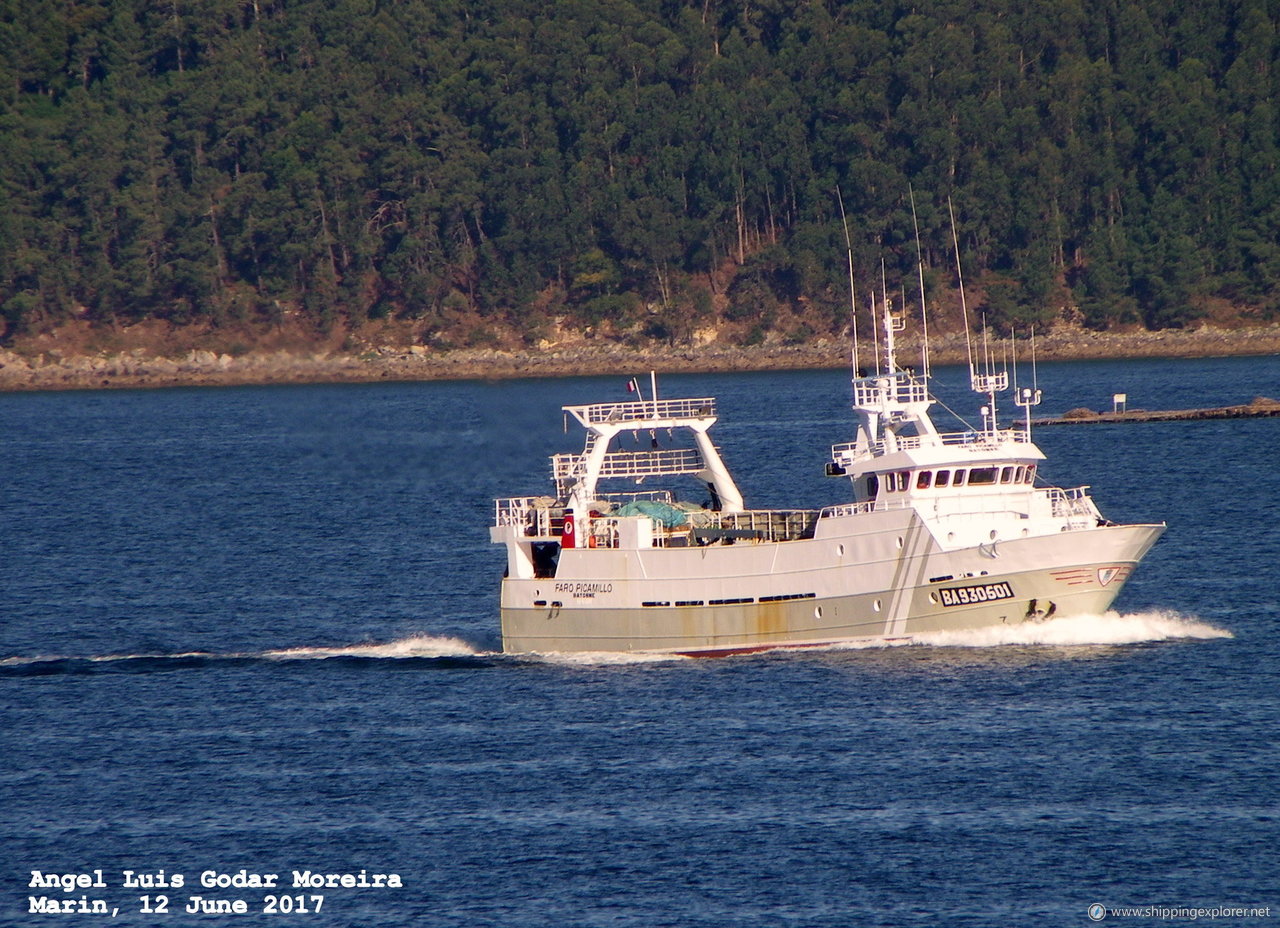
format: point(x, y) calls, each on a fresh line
point(1110, 628)
point(413, 646)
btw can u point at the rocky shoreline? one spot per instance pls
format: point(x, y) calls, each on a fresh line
point(135, 368)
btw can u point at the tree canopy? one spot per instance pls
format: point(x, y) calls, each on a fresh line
point(606, 160)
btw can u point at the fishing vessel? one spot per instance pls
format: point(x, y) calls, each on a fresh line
point(942, 531)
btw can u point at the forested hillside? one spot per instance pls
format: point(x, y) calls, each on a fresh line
point(641, 166)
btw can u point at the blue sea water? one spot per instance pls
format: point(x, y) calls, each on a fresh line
point(256, 629)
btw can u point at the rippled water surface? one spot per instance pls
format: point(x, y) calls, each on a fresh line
point(257, 629)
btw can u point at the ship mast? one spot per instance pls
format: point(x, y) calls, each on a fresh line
point(853, 302)
point(989, 382)
point(924, 311)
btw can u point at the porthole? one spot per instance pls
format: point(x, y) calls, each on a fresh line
point(992, 534)
point(899, 542)
point(933, 598)
point(839, 550)
point(876, 605)
point(817, 612)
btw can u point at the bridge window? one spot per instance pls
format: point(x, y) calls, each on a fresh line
point(924, 479)
point(943, 478)
point(904, 477)
point(958, 479)
point(1006, 475)
point(873, 486)
point(982, 476)
point(1031, 473)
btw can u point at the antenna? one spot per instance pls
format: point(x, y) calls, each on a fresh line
point(1035, 380)
point(987, 367)
point(1028, 396)
point(989, 383)
point(853, 307)
point(887, 307)
point(924, 312)
point(875, 331)
point(1011, 351)
point(964, 307)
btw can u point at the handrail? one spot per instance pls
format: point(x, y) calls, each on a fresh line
point(644, 411)
point(632, 463)
point(512, 510)
point(750, 526)
point(981, 441)
point(664, 496)
point(1073, 502)
point(876, 391)
point(846, 509)
point(526, 513)
point(539, 516)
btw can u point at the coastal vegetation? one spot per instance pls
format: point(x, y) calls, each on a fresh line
point(638, 169)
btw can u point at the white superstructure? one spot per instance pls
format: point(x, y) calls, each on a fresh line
point(943, 531)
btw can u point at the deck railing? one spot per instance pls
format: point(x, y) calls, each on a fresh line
point(644, 411)
point(1065, 504)
point(847, 509)
point(978, 441)
point(530, 513)
point(891, 388)
point(769, 524)
point(541, 516)
point(631, 464)
point(537, 517)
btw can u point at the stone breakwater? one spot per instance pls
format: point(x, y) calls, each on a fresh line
point(1261, 407)
point(55, 371)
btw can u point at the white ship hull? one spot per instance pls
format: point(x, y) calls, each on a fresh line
point(878, 576)
point(943, 531)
